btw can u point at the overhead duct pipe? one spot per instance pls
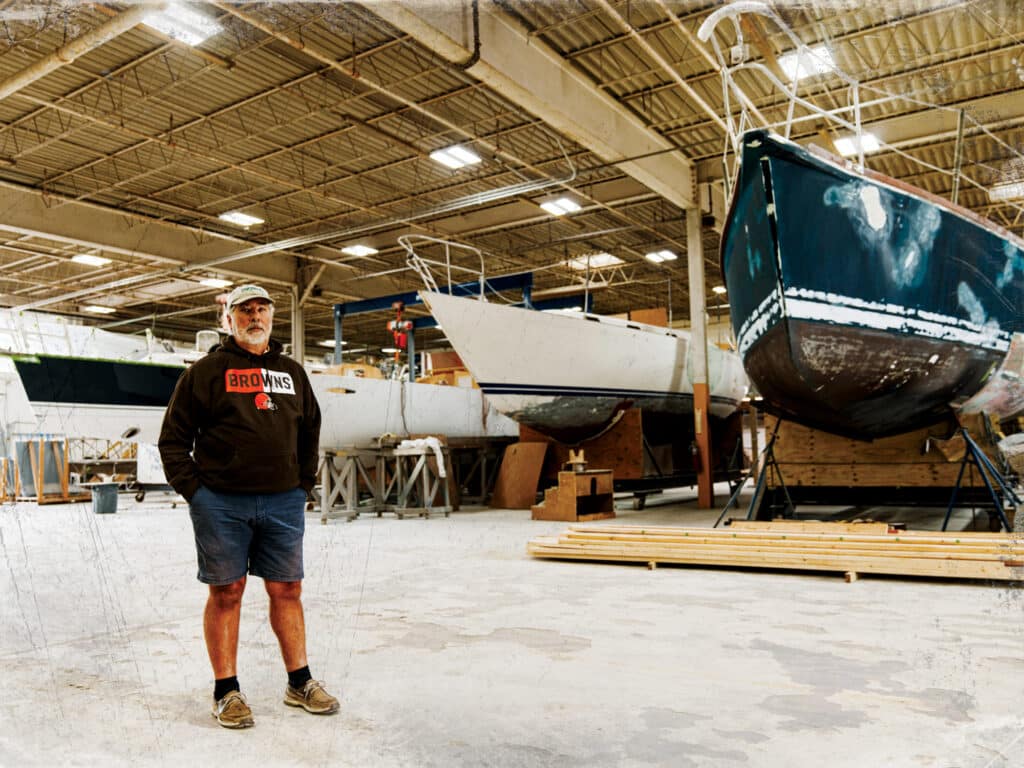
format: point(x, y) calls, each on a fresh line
point(67, 53)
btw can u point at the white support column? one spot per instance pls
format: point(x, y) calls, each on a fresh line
point(298, 328)
point(698, 356)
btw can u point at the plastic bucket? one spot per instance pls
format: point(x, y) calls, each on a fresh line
point(104, 498)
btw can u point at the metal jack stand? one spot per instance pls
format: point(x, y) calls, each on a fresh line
point(768, 464)
point(974, 455)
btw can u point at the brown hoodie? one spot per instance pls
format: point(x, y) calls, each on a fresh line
point(241, 423)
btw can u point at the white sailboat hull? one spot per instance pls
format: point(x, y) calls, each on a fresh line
point(63, 379)
point(357, 410)
point(569, 375)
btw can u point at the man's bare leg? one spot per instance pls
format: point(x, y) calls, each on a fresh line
point(220, 627)
point(288, 621)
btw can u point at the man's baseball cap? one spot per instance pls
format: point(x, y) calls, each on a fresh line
point(244, 293)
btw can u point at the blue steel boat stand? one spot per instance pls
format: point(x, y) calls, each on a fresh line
point(974, 455)
point(768, 463)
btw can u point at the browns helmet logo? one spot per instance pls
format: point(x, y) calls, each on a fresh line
point(264, 403)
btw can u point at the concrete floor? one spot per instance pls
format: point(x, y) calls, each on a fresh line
point(450, 647)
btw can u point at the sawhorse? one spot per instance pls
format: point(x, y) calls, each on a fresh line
point(345, 476)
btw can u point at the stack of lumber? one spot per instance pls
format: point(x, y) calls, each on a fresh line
point(850, 548)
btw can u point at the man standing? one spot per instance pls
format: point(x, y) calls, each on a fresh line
point(239, 441)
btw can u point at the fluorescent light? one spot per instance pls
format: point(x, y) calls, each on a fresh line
point(659, 256)
point(99, 310)
point(330, 343)
point(847, 145)
point(180, 22)
point(596, 261)
point(87, 258)
point(562, 310)
point(718, 289)
point(1009, 191)
point(359, 250)
point(454, 157)
point(807, 62)
point(215, 282)
point(239, 218)
point(389, 350)
point(560, 206)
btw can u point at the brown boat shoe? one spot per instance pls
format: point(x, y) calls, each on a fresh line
point(311, 697)
point(231, 711)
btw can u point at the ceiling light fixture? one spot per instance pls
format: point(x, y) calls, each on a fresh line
point(181, 23)
point(98, 309)
point(560, 206)
point(330, 343)
point(807, 62)
point(719, 289)
point(595, 261)
point(1009, 191)
point(89, 259)
point(454, 157)
point(847, 146)
point(359, 250)
point(389, 350)
point(239, 218)
point(657, 257)
point(215, 282)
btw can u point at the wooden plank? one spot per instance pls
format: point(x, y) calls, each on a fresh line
point(887, 475)
point(516, 485)
point(926, 553)
point(60, 464)
point(998, 538)
point(790, 545)
point(892, 540)
point(948, 568)
point(808, 526)
point(885, 548)
point(725, 552)
point(37, 475)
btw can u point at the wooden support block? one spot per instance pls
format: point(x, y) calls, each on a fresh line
point(516, 486)
point(579, 497)
point(922, 458)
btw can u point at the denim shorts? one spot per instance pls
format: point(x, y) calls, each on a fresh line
point(258, 533)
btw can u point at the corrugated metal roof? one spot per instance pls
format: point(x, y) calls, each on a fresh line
point(319, 118)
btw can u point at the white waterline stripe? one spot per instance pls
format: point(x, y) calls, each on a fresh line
point(805, 304)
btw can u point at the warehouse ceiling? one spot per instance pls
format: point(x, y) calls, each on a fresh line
point(121, 142)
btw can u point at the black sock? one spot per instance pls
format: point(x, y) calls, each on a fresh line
point(224, 686)
point(299, 677)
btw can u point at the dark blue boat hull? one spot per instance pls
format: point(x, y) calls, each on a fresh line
point(63, 379)
point(860, 307)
